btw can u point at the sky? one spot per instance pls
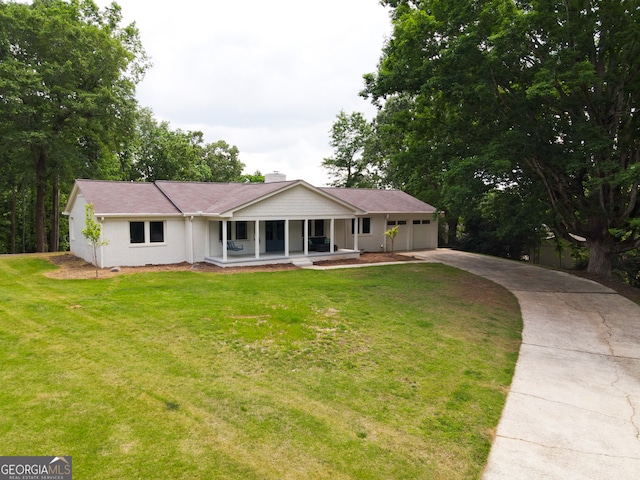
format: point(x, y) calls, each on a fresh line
point(266, 76)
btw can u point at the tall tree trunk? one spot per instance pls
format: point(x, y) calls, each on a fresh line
point(41, 190)
point(55, 216)
point(600, 256)
point(452, 230)
point(23, 235)
point(14, 206)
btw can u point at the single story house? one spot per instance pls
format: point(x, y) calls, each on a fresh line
point(230, 224)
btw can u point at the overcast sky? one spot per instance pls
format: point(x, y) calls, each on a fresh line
point(266, 76)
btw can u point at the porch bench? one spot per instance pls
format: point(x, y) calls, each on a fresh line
point(232, 246)
point(319, 244)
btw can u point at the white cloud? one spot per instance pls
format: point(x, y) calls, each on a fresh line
point(268, 77)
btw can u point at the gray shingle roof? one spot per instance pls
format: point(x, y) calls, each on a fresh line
point(175, 198)
point(380, 201)
point(191, 197)
point(113, 198)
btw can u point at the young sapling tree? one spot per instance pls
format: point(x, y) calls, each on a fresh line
point(93, 233)
point(392, 233)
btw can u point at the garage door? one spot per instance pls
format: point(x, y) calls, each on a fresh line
point(421, 234)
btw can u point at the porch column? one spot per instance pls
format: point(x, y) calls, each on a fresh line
point(224, 240)
point(332, 233)
point(306, 236)
point(286, 237)
point(356, 233)
point(256, 239)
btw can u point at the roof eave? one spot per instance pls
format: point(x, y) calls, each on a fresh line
point(229, 213)
point(137, 215)
point(402, 212)
point(72, 198)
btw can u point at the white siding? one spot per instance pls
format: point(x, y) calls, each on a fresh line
point(343, 237)
point(296, 239)
point(298, 202)
point(78, 245)
point(372, 242)
point(215, 247)
point(121, 252)
point(201, 239)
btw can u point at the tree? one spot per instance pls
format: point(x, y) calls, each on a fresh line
point(167, 154)
point(507, 223)
point(391, 234)
point(158, 152)
point(256, 177)
point(417, 153)
point(93, 233)
point(549, 90)
point(223, 163)
point(67, 82)
point(349, 165)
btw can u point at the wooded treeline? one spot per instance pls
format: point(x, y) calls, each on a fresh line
point(68, 73)
point(516, 118)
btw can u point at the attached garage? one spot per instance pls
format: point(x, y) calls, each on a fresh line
point(417, 221)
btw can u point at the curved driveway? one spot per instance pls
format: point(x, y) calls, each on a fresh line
point(573, 411)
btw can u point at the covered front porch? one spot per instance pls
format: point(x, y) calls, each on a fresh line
point(297, 258)
point(262, 242)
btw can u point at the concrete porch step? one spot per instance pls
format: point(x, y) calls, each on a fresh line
point(302, 262)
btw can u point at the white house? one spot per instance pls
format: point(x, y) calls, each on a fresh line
point(274, 222)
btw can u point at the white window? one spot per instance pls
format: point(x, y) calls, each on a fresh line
point(156, 232)
point(139, 232)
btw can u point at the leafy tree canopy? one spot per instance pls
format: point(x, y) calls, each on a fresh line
point(157, 152)
point(349, 166)
point(541, 95)
point(68, 72)
point(67, 82)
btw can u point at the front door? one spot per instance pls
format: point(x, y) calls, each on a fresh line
point(275, 236)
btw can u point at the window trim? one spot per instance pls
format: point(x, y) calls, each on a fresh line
point(361, 223)
point(146, 233)
point(245, 226)
point(366, 222)
point(151, 232)
point(136, 233)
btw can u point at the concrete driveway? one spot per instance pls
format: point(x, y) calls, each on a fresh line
point(573, 411)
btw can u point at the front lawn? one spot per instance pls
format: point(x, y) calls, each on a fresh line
point(388, 372)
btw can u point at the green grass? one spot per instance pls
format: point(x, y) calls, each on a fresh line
point(390, 372)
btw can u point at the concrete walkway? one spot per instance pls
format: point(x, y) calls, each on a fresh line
point(573, 411)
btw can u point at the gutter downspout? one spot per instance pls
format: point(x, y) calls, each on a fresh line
point(190, 258)
point(101, 243)
point(384, 235)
